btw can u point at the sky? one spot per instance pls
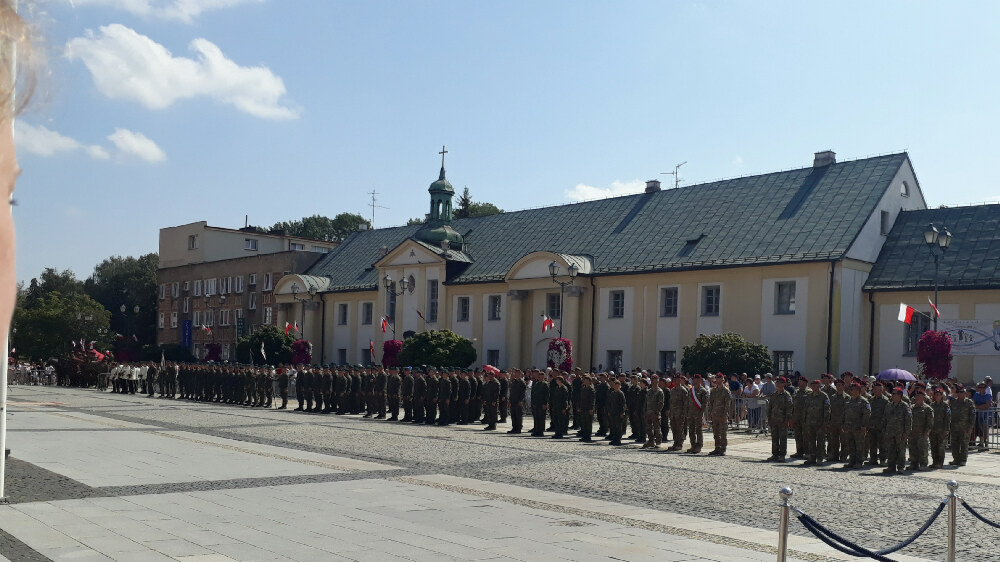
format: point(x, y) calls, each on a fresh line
point(156, 113)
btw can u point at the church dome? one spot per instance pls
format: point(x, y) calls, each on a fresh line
point(441, 185)
point(436, 235)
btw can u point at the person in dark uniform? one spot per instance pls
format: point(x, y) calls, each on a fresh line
point(491, 399)
point(444, 398)
point(518, 391)
point(504, 392)
point(379, 389)
point(419, 395)
point(431, 397)
point(601, 390)
point(575, 385)
point(560, 404)
point(355, 391)
point(406, 394)
point(539, 403)
point(392, 387)
point(283, 387)
point(455, 413)
point(585, 409)
point(616, 412)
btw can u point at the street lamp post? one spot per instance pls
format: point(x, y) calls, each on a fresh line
point(387, 282)
point(554, 272)
point(302, 313)
point(934, 238)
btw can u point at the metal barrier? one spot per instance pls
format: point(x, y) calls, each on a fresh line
point(748, 414)
point(986, 432)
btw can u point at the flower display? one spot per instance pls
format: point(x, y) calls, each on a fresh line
point(560, 355)
point(301, 352)
point(390, 353)
point(934, 354)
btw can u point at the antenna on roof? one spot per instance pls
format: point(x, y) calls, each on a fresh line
point(374, 205)
point(677, 178)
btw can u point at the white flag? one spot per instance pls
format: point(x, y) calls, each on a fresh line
point(262, 354)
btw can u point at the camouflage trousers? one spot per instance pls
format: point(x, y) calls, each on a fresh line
point(876, 449)
point(679, 424)
point(919, 445)
point(938, 440)
point(853, 445)
point(895, 448)
point(696, 433)
point(834, 450)
point(960, 444)
point(720, 429)
point(779, 441)
point(813, 441)
point(653, 428)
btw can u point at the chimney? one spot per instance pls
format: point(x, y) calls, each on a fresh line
point(362, 227)
point(652, 186)
point(445, 245)
point(824, 158)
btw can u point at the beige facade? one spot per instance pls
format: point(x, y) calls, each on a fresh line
point(199, 243)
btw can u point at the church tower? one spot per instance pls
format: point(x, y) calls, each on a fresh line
point(438, 227)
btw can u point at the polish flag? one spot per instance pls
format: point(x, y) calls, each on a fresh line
point(295, 326)
point(547, 323)
point(906, 313)
point(937, 313)
point(371, 348)
point(287, 328)
point(385, 323)
point(206, 329)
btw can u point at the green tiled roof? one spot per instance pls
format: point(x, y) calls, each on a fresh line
point(802, 215)
point(971, 262)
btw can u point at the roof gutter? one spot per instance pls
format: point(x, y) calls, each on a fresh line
point(829, 318)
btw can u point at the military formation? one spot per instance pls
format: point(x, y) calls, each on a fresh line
point(831, 419)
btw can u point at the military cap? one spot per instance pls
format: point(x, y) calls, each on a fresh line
point(919, 392)
point(814, 381)
point(781, 379)
point(897, 390)
point(855, 385)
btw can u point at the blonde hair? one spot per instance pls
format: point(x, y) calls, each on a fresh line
point(17, 63)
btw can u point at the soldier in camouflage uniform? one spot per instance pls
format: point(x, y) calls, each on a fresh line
point(616, 412)
point(898, 423)
point(815, 418)
point(876, 447)
point(719, 403)
point(857, 416)
point(838, 400)
point(798, 415)
point(678, 411)
point(696, 401)
point(923, 422)
point(651, 412)
point(779, 417)
point(939, 431)
point(963, 419)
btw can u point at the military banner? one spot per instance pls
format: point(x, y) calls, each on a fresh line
point(972, 337)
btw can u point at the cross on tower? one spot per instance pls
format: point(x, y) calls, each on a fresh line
point(442, 153)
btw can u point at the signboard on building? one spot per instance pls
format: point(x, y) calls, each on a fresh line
point(241, 327)
point(186, 334)
point(973, 337)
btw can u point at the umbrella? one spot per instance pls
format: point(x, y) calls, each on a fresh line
point(491, 369)
point(896, 375)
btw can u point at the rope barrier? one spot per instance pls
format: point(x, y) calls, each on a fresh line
point(975, 513)
point(830, 538)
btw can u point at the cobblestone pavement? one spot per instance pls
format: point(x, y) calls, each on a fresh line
point(739, 489)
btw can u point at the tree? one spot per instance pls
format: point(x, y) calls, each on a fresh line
point(277, 346)
point(464, 203)
point(438, 348)
point(418, 220)
point(469, 209)
point(51, 281)
point(323, 228)
point(49, 328)
point(725, 353)
point(131, 282)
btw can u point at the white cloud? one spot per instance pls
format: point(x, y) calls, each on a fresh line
point(177, 10)
point(738, 161)
point(130, 66)
point(41, 141)
point(138, 145)
point(584, 192)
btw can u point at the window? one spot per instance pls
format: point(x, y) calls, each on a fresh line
point(495, 303)
point(710, 295)
point(463, 309)
point(267, 282)
point(342, 356)
point(432, 300)
point(187, 305)
point(161, 321)
point(250, 244)
point(163, 291)
point(493, 357)
point(784, 297)
point(783, 363)
point(173, 319)
point(366, 356)
point(196, 318)
point(229, 285)
point(916, 328)
point(252, 301)
point(614, 360)
point(296, 246)
point(187, 286)
point(553, 306)
point(904, 189)
point(267, 315)
point(239, 283)
point(616, 304)
point(320, 249)
point(668, 301)
point(885, 224)
point(224, 318)
point(238, 314)
point(252, 279)
point(225, 352)
point(367, 311)
point(210, 287)
point(197, 287)
point(175, 290)
point(342, 314)
point(667, 361)
point(193, 242)
point(208, 317)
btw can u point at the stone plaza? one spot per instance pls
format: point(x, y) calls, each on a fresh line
point(96, 476)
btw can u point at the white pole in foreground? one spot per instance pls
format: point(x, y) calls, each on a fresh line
point(786, 504)
point(952, 508)
point(12, 77)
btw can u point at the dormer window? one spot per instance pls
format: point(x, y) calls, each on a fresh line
point(904, 189)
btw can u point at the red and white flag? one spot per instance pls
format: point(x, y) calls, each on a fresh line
point(385, 323)
point(937, 313)
point(206, 329)
point(262, 354)
point(547, 323)
point(287, 328)
point(371, 348)
point(694, 398)
point(295, 326)
point(906, 313)
point(421, 316)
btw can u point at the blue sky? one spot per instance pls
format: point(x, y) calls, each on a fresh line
point(152, 113)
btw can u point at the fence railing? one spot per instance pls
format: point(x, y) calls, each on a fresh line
point(748, 414)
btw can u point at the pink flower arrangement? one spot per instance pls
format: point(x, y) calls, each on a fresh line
point(560, 354)
point(390, 353)
point(934, 353)
point(301, 352)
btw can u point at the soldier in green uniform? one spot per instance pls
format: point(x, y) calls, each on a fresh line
point(678, 411)
point(857, 416)
point(719, 403)
point(431, 396)
point(419, 394)
point(560, 405)
point(601, 390)
point(838, 400)
point(695, 409)
point(406, 394)
point(464, 394)
point(876, 447)
point(303, 388)
point(585, 409)
point(502, 405)
point(963, 419)
point(939, 431)
point(815, 417)
point(283, 387)
point(651, 409)
point(779, 417)
point(491, 400)
point(898, 423)
point(798, 415)
point(923, 424)
point(539, 403)
point(616, 412)
point(379, 386)
point(393, 383)
point(444, 398)
point(518, 392)
point(665, 410)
